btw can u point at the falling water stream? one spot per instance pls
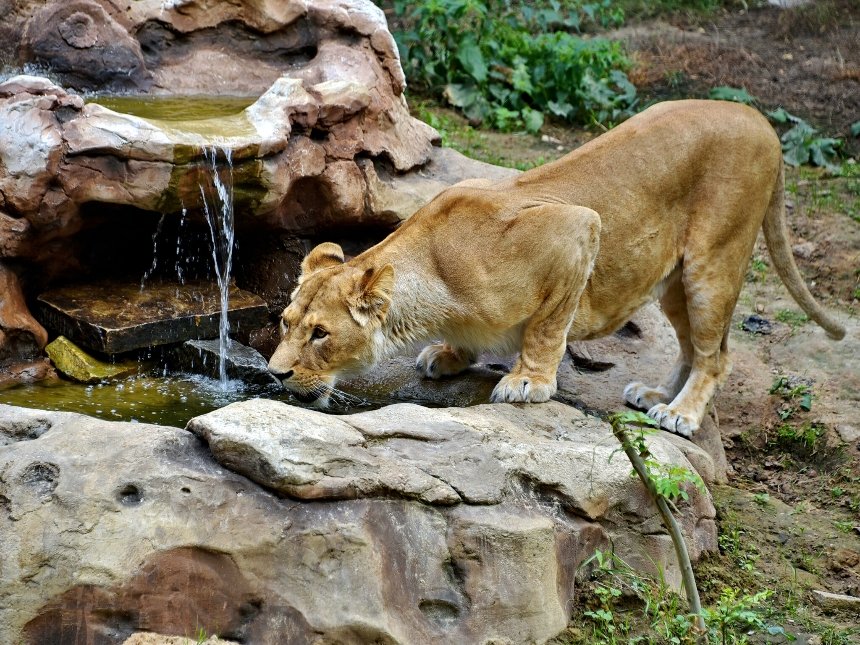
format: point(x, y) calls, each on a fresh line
point(218, 208)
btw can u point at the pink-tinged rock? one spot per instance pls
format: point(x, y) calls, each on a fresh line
point(21, 337)
point(13, 235)
point(81, 42)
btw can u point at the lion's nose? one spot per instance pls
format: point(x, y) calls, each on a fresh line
point(283, 376)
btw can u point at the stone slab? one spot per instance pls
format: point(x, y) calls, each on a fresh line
point(113, 318)
point(203, 357)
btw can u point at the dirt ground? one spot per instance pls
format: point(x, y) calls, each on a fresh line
point(806, 60)
point(790, 516)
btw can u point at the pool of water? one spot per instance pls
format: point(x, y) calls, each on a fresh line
point(213, 117)
point(176, 108)
point(170, 400)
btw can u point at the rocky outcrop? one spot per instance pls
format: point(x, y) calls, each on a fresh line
point(402, 525)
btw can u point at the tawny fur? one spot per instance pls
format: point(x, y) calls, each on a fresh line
point(666, 206)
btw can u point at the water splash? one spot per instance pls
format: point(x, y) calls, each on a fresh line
point(154, 265)
point(179, 272)
point(218, 209)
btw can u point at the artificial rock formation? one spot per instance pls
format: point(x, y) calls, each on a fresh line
point(401, 525)
point(328, 143)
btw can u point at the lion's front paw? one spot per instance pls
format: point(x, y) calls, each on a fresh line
point(643, 397)
point(521, 388)
point(436, 361)
point(673, 421)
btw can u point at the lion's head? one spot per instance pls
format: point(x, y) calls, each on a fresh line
point(331, 322)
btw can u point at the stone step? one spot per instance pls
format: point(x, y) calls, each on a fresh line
point(203, 357)
point(113, 318)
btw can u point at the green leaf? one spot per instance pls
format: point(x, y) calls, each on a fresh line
point(521, 79)
point(633, 418)
point(470, 56)
point(479, 110)
point(806, 401)
point(461, 95)
point(533, 119)
point(855, 129)
point(780, 115)
point(736, 94)
point(562, 109)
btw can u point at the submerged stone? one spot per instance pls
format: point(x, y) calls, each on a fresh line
point(75, 363)
point(115, 318)
point(203, 357)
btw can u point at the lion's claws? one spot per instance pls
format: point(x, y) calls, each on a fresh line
point(522, 389)
point(672, 421)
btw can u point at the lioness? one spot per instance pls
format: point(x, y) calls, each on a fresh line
point(666, 206)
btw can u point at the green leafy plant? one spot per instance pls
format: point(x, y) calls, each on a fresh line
point(735, 544)
point(762, 499)
point(610, 619)
point(509, 64)
point(736, 94)
point(736, 614)
point(801, 144)
point(806, 437)
point(794, 392)
point(791, 318)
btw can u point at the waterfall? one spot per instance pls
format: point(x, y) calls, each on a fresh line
point(218, 209)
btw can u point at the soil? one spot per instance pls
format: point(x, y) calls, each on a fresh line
point(806, 60)
point(790, 517)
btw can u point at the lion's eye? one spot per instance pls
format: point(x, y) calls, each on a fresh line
point(318, 333)
point(285, 327)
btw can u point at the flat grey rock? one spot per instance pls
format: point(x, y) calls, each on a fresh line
point(204, 357)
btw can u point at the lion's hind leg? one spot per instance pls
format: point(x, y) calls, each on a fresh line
point(437, 361)
point(674, 305)
point(710, 300)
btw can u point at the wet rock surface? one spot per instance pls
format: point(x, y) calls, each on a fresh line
point(82, 367)
point(114, 318)
point(401, 525)
point(204, 357)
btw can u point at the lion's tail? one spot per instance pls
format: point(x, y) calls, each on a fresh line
point(776, 236)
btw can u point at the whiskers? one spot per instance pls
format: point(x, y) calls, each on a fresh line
point(345, 399)
point(324, 395)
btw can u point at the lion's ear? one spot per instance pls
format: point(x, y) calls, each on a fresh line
point(327, 254)
point(373, 295)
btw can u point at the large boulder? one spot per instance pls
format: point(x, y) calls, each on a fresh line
point(401, 525)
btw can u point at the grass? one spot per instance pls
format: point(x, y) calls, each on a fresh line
point(477, 143)
point(793, 319)
point(839, 192)
point(691, 9)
